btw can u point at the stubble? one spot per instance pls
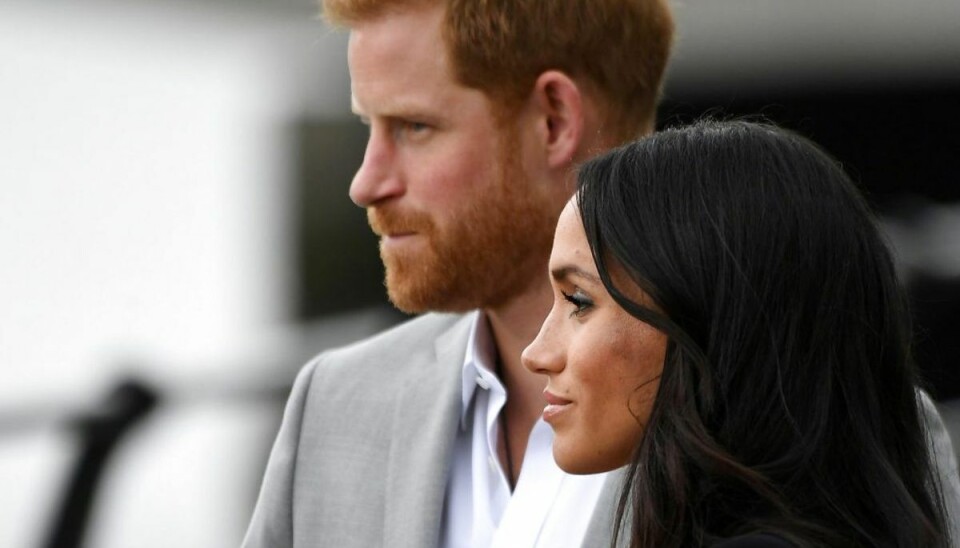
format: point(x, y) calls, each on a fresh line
point(489, 251)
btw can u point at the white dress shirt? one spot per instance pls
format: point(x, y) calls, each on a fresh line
point(548, 507)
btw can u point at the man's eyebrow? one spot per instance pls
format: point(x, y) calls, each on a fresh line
point(397, 109)
point(566, 271)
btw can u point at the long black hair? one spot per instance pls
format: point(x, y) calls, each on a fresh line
point(788, 400)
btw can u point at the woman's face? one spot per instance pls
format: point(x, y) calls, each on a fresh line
point(602, 365)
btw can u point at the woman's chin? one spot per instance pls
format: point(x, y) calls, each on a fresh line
point(583, 462)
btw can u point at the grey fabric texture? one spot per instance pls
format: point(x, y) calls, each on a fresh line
point(941, 449)
point(363, 453)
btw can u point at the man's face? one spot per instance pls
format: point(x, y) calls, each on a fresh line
point(462, 224)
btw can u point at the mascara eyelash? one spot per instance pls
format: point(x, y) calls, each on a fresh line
point(579, 300)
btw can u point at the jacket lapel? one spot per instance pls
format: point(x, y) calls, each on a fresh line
point(600, 530)
point(424, 429)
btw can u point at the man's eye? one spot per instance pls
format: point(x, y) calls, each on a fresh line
point(406, 129)
point(414, 129)
point(581, 302)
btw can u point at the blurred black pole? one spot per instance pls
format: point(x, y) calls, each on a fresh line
point(100, 432)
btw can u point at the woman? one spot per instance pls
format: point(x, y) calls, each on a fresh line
point(728, 322)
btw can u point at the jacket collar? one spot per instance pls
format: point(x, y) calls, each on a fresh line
point(424, 429)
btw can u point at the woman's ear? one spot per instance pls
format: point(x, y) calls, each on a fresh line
point(560, 103)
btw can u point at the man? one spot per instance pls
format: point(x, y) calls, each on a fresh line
point(478, 113)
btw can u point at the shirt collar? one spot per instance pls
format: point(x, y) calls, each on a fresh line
point(479, 363)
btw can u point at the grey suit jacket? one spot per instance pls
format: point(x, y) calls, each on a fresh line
point(363, 455)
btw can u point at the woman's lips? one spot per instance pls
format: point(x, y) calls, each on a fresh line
point(555, 406)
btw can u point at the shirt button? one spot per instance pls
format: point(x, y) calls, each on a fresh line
point(483, 383)
point(493, 464)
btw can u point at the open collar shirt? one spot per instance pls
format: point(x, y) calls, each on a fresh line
point(548, 507)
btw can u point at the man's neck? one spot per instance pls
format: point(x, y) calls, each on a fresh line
point(513, 326)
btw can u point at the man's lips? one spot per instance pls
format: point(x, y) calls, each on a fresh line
point(555, 405)
point(395, 239)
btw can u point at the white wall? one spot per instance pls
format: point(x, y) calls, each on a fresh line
point(145, 179)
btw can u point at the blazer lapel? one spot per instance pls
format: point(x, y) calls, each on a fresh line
point(424, 429)
point(600, 530)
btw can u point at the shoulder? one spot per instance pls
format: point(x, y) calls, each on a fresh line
point(420, 332)
point(370, 380)
point(390, 352)
point(754, 540)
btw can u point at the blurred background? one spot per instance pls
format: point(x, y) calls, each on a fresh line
point(177, 240)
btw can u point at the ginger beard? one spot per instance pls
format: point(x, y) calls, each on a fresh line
point(494, 247)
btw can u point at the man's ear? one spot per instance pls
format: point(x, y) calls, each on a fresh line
point(560, 103)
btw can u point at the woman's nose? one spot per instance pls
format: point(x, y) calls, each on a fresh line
point(545, 355)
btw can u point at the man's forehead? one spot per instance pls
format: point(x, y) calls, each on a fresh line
point(402, 71)
point(408, 44)
point(408, 24)
point(348, 13)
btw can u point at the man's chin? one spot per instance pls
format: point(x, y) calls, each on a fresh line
point(420, 290)
point(418, 300)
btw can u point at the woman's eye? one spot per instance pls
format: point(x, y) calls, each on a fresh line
point(581, 302)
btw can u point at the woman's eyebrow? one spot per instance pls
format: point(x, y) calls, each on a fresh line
point(566, 271)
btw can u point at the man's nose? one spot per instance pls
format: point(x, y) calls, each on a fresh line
point(378, 178)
